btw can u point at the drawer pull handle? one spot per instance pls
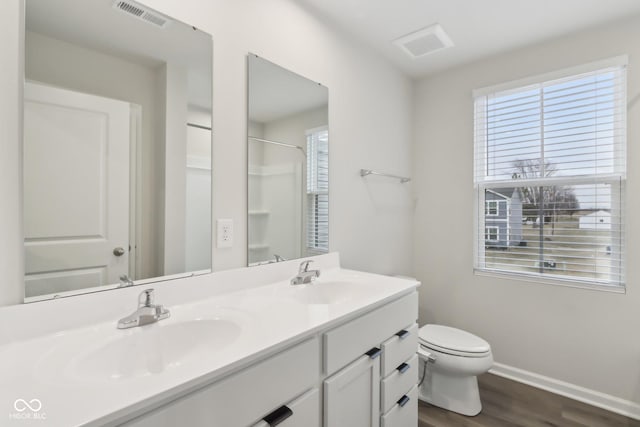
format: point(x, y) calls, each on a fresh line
point(278, 416)
point(402, 334)
point(374, 352)
point(403, 400)
point(403, 368)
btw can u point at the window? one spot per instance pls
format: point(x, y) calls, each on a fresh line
point(491, 207)
point(318, 190)
point(495, 207)
point(491, 234)
point(554, 149)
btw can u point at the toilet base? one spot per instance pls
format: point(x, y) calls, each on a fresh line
point(454, 393)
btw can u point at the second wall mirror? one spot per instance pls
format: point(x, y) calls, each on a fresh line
point(288, 164)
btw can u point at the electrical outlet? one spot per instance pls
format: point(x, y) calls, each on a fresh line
point(225, 233)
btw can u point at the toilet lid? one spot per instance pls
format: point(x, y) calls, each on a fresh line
point(454, 339)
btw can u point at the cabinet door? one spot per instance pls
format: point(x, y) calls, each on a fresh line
point(352, 395)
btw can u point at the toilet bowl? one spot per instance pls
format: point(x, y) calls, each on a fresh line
point(453, 358)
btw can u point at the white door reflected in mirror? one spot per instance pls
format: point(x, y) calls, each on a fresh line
point(105, 196)
point(76, 189)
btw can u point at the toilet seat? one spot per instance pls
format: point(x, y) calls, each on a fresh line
point(453, 341)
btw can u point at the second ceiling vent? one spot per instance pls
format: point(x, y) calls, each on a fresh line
point(424, 42)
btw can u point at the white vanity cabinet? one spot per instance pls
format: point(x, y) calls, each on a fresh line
point(398, 401)
point(243, 398)
point(383, 343)
point(361, 373)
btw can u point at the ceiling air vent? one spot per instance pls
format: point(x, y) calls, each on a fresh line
point(139, 11)
point(424, 42)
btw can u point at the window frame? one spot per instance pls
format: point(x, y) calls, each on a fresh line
point(487, 208)
point(487, 234)
point(618, 179)
point(312, 199)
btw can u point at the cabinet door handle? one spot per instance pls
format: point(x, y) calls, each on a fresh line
point(374, 352)
point(403, 367)
point(402, 334)
point(278, 416)
point(403, 400)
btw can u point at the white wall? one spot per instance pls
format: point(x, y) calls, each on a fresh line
point(198, 193)
point(175, 167)
point(584, 337)
point(369, 118)
point(11, 78)
point(292, 130)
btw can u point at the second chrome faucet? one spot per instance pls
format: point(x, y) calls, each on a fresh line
point(305, 275)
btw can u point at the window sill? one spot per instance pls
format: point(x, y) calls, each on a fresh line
point(570, 283)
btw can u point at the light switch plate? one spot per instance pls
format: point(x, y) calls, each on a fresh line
point(225, 233)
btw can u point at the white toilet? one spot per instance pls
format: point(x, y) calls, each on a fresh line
point(455, 358)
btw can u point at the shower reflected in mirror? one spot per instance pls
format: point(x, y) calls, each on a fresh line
point(288, 165)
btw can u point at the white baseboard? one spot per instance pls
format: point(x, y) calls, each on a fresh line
point(572, 391)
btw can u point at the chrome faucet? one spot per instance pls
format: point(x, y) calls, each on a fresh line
point(125, 281)
point(278, 258)
point(304, 274)
point(147, 312)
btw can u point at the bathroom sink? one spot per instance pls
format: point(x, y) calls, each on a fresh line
point(153, 349)
point(327, 292)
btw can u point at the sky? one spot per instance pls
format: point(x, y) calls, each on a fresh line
point(573, 123)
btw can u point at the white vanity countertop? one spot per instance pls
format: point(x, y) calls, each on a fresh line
point(75, 372)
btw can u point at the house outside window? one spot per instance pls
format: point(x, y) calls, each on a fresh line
point(550, 167)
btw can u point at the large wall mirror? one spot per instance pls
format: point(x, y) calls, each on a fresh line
point(288, 164)
point(117, 147)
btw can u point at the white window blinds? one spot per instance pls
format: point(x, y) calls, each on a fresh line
point(318, 190)
point(553, 152)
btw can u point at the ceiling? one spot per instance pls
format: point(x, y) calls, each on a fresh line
point(478, 28)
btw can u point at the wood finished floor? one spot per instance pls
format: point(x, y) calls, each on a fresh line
point(507, 403)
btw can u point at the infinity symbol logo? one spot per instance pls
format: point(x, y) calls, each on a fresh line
point(21, 405)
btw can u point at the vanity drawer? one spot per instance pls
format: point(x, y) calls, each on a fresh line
point(304, 411)
point(403, 415)
point(346, 343)
point(399, 348)
point(244, 397)
point(399, 382)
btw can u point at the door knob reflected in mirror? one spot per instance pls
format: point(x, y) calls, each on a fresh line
point(118, 251)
